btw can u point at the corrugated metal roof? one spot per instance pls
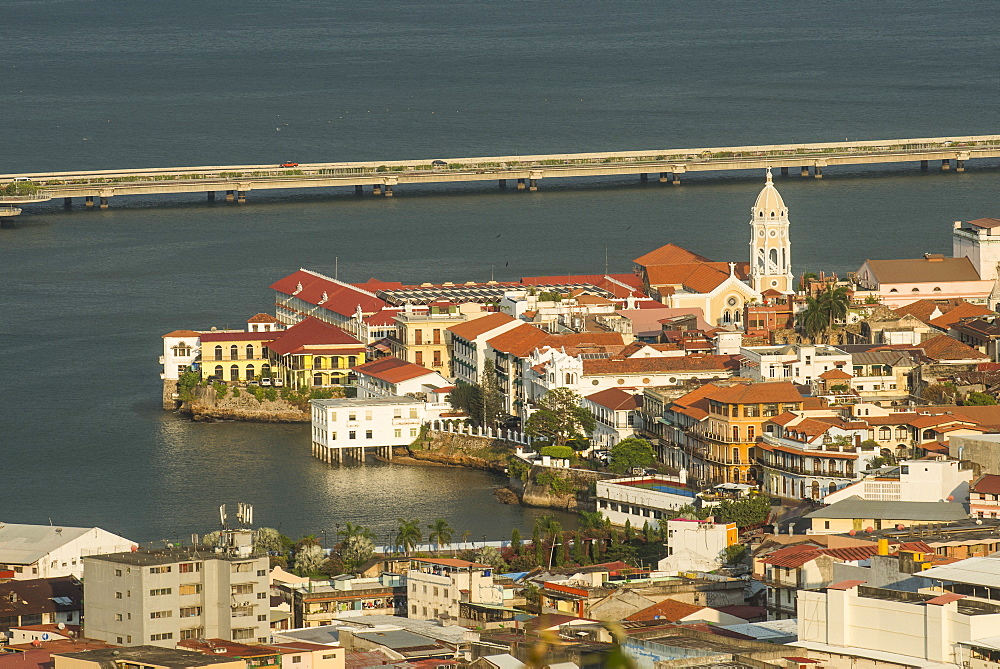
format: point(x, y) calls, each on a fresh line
point(855, 507)
point(975, 571)
point(27, 544)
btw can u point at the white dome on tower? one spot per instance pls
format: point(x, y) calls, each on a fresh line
point(769, 202)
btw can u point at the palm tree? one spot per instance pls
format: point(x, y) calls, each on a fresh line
point(440, 533)
point(352, 530)
point(407, 534)
point(465, 536)
point(836, 302)
point(812, 320)
point(593, 521)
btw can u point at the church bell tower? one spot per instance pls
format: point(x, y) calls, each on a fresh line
point(770, 247)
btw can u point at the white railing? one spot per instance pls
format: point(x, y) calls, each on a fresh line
point(459, 427)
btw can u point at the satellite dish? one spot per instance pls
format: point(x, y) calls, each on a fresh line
point(61, 626)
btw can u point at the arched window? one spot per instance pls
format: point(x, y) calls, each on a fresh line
point(884, 433)
point(250, 372)
point(265, 370)
point(234, 373)
point(815, 489)
point(182, 350)
point(250, 355)
point(750, 433)
point(352, 361)
point(928, 434)
point(736, 454)
point(727, 316)
point(774, 257)
point(219, 372)
point(937, 289)
point(833, 488)
point(760, 260)
point(317, 379)
point(218, 352)
point(234, 352)
point(893, 290)
point(737, 315)
point(915, 290)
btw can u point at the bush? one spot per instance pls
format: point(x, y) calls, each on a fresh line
point(563, 452)
point(557, 484)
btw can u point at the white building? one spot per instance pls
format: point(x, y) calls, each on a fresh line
point(47, 551)
point(181, 349)
point(467, 344)
point(770, 244)
point(436, 587)
point(696, 545)
point(933, 628)
point(798, 363)
point(642, 499)
point(979, 241)
point(932, 480)
point(373, 422)
point(616, 413)
point(392, 377)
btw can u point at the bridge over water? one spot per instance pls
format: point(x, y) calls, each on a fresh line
point(668, 165)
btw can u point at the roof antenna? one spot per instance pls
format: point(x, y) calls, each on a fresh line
point(336, 267)
point(492, 267)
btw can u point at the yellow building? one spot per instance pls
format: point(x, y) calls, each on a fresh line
point(235, 357)
point(721, 426)
point(314, 354)
point(422, 338)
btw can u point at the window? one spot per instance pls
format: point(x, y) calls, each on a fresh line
point(261, 595)
point(262, 572)
point(418, 357)
point(153, 615)
point(234, 352)
point(193, 633)
point(118, 595)
point(241, 611)
point(243, 633)
point(296, 658)
point(352, 435)
point(159, 591)
point(242, 588)
point(413, 432)
point(189, 567)
point(397, 433)
point(189, 589)
point(250, 354)
point(413, 413)
point(437, 358)
point(262, 617)
point(118, 572)
point(160, 570)
point(352, 416)
point(161, 637)
point(190, 612)
point(368, 434)
point(118, 617)
point(218, 353)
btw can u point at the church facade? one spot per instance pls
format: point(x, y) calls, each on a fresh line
point(682, 279)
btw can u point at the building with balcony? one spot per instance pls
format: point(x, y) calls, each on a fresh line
point(716, 427)
point(165, 596)
point(422, 336)
point(315, 604)
point(235, 357)
point(799, 363)
point(315, 354)
point(437, 586)
point(617, 415)
point(393, 377)
point(467, 344)
point(372, 422)
point(984, 497)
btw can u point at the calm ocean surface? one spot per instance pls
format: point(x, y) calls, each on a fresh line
point(85, 295)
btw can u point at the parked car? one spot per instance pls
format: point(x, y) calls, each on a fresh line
point(265, 381)
point(252, 384)
point(439, 163)
point(277, 383)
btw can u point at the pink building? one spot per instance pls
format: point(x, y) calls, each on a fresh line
point(984, 497)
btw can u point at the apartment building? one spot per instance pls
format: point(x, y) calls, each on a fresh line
point(165, 596)
point(437, 586)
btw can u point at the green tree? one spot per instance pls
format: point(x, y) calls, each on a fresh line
point(752, 510)
point(515, 541)
point(491, 556)
point(268, 540)
point(811, 320)
point(490, 396)
point(823, 310)
point(629, 532)
point(647, 533)
point(560, 417)
point(563, 452)
point(356, 550)
point(593, 520)
point(407, 534)
point(467, 399)
point(629, 453)
point(977, 399)
point(734, 554)
point(308, 559)
point(212, 538)
point(440, 533)
point(351, 530)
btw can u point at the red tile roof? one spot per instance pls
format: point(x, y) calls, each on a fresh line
point(182, 333)
point(669, 255)
point(964, 310)
point(662, 365)
point(987, 483)
point(986, 222)
point(311, 333)
point(331, 294)
point(845, 585)
point(757, 393)
point(944, 347)
point(670, 610)
point(616, 399)
point(386, 316)
point(695, 277)
point(262, 318)
point(946, 598)
point(469, 330)
point(392, 370)
point(213, 337)
point(923, 309)
point(519, 341)
point(835, 374)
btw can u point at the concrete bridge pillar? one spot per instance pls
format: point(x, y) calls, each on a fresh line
point(945, 164)
point(663, 177)
point(388, 190)
point(532, 185)
point(230, 196)
point(643, 177)
point(503, 183)
point(805, 171)
point(241, 196)
point(376, 189)
point(923, 164)
point(676, 179)
point(818, 172)
point(89, 201)
point(959, 165)
point(520, 184)
point(211, 196)
point(359, 190)
point(533, 180)
point(388, 183)
point(68, 202)
point(104, 202)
